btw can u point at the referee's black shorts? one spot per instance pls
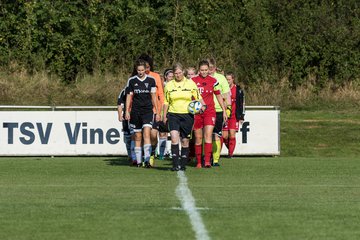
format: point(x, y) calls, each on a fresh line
point(218, 124)
point(181, 122)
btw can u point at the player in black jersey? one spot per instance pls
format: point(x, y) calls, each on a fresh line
point(128, 133)
point(142, 96)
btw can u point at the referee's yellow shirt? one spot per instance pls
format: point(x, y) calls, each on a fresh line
point(178, 95)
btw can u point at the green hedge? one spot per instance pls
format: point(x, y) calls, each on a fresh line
point(261, 40)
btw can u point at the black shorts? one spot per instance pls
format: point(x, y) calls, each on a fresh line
point(125, 127)
point(182, 123)
point(162, 127)
point(218, 124)
point(140, 120)
point(155, 124)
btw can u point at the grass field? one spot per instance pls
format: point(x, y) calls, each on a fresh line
point(312, 191)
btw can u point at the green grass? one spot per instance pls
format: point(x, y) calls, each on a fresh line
point(327, 133)
point(311, 191)
point(83, 198)
point(248, 198)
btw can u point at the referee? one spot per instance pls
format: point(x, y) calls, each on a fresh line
point(178, 94)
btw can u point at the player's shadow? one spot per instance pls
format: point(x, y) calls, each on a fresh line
point(124, 161)
point(120, 161)
point(165, 166)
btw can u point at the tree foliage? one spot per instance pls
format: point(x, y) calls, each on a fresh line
point(262, 40)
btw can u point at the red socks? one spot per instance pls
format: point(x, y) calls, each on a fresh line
point(226, 141)
point(207, 153)
point(198, 153)
point(232, 144)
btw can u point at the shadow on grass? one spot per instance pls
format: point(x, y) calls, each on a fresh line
point(120, 161)
point(165, 165)
point(124, 161)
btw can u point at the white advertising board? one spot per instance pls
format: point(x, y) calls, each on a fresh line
point(62, 133)
point(259, 134)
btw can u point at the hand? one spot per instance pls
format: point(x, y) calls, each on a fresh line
point(203, 109)
point(164, 119)
point(157, 117)
point(121, 117)
point(225, 117)
point(127, 116)
point(241, 122)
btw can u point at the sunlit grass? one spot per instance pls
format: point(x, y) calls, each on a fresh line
point(103, 88)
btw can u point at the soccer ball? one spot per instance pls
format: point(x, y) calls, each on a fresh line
point(194, 107)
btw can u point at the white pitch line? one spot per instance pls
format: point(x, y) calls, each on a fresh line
point(188, 204)
point(181, 209)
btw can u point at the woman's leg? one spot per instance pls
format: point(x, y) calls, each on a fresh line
point(232, 142)
point(147, 145)
point(226, 138)
point(184, 156)
point(208, 133)
point(162, 144)
point(138, 148)
point(198, 146)
point(174, 134)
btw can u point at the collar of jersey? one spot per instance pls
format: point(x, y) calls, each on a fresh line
point(142, 79)
point(181, 82)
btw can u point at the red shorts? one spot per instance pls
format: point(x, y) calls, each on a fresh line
point(204, 119)
point(231, 124)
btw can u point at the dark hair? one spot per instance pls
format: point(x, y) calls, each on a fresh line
point(203, 62)
point(167, 71)
point(212, 61)
point(232, 74)
point(138, 63)
point(147, 59)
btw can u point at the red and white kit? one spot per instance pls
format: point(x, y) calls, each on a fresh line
point(207, 87)
point(232, 123)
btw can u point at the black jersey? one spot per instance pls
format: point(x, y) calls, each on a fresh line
point(121, 101)
point(141, 91)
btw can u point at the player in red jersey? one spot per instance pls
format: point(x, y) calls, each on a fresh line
point(237, 114)
point(205, 122)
